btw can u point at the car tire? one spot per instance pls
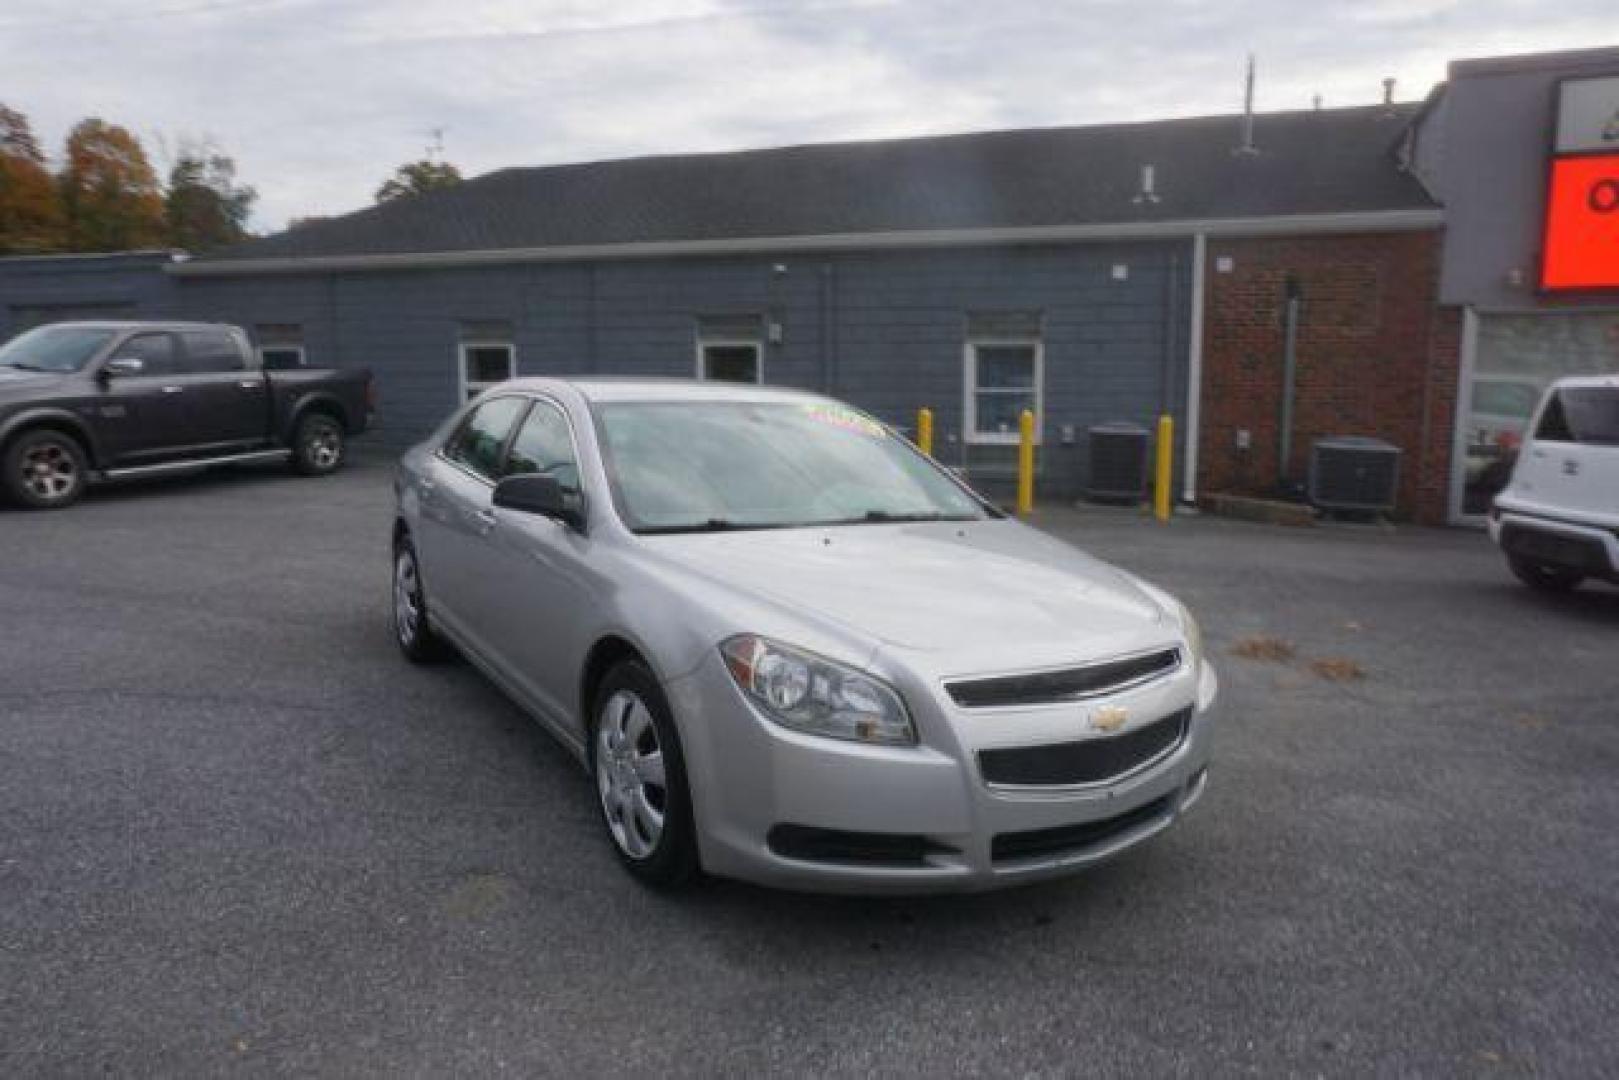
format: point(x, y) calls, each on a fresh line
point(413, 629)
point(319, 444)
point(1552, 579)
point(640, 774)
point(45, 469)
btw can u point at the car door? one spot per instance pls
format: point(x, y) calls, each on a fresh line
point(143, 416)
point(538, 573)
point(229, 404)
point(457, 515)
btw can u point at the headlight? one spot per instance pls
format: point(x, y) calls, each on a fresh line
point(1194, 634)
point(809, 693)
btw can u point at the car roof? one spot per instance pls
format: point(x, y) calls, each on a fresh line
point(1587, 381)
point(139, 324)
point(606, 388)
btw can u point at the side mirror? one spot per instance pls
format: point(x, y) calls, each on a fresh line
point(533, 493)
point(124, 366)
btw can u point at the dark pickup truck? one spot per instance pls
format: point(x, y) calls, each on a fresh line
point(88, 401)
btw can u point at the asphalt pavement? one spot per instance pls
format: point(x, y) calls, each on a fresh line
point(238, 833)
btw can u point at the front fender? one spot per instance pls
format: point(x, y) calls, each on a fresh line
point(53, 416)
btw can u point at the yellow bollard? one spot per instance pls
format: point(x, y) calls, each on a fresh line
point(1166, 462)
point(1025, 464)
point(924, 431)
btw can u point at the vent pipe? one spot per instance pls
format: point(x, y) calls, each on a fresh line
point(1248, 146)
point(1388, 90)
point(1149, 190)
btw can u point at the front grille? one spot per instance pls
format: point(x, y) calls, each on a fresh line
point(836, 846)
point(1038, 843)
point(1085, 761)
point(1068, 684)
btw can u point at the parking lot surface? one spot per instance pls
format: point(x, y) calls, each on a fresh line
point(237, 831)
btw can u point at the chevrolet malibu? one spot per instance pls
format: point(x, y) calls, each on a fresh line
point(788, 647)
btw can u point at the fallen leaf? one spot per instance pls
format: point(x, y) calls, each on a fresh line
point(1337, 670)
point(1264, 647)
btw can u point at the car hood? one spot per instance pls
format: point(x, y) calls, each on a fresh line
point(15, 380)
point(979, 596)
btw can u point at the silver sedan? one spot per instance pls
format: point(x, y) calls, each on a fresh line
point(790, 648)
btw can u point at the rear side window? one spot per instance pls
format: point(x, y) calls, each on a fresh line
point(210, 350)
point(479, 442)
point(1582, 414)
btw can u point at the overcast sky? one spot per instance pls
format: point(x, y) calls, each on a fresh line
point(319, 99)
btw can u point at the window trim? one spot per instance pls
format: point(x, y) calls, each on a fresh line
point(466, 386)
point(302, 351)
point(536, 401)
point(526, 402)
point(754, 343)
point(969, 429)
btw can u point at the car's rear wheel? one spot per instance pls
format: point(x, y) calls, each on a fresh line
point(640, 774)
point(45, 469)
point(319, 445)
point(412, 629)
point(1555, 579)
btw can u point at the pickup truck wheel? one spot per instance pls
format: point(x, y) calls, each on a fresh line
point(318, 445)
point(45, 470)
point(1554, 579)
point(412, 630)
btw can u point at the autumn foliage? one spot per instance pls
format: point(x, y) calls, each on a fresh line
point(107, 196)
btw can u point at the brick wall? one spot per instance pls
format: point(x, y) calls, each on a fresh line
point(1376, 356)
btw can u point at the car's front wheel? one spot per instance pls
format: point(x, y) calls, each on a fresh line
point(640, 776)
point(1557, 579)
point(45, 470)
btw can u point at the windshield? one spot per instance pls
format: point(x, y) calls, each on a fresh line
point(710, 466)
point(54, 348)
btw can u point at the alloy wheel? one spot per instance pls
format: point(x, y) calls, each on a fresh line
point(407, 597)
point(630, 774)
point(50, 471)
point(324, 446)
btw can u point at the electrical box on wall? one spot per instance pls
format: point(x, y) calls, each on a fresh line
point(1581, 245)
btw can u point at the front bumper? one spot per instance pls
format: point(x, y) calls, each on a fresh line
point(749, 776)
point(1588, 548)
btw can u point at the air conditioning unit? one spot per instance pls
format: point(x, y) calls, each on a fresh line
point(1118, 462)
point(1349, 472)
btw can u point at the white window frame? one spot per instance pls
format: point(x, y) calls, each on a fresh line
point(470, 388)
point(969, 366)
point(706, 343)
point(303, 355)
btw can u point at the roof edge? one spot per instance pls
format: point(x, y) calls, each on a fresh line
point(1354, 221)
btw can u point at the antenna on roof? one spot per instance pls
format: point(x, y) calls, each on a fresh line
point(1248, 146)
point(1388, 90)
point(435, 149)
point(1316, 102)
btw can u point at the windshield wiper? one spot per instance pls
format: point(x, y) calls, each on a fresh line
point(711, 525)
point(20, 366)
point(890, 517)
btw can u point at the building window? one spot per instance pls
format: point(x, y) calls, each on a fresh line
point(281, 357)
point(730, 348)
point(1004, 371)
point(485, 363)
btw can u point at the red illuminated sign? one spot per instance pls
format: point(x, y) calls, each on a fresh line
point(1582, 224)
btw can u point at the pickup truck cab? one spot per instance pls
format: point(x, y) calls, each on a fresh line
point(1558, 519)
point(82, 402)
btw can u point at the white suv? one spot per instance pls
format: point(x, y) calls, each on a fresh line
point(1558, 520)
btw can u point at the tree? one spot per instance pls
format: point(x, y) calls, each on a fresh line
point(31, 217)
point(415, 177)
point(109, 191)
point(205, 207)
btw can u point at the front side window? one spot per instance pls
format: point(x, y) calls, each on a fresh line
point(485, 364)
point(544, 445)
point(54, 348)
point(1003, 379)
point(710, 466)
point(156, 351)
point(480, 441)
point(211, 351)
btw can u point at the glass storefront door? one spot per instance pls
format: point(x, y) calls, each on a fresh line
point(1516, 358)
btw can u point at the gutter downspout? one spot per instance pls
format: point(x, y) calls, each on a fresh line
point(1194, 367)
point(1290, 362)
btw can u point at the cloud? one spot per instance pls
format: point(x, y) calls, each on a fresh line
point(319, 99)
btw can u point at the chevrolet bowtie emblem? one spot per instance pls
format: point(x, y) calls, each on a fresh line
point(1109, 717)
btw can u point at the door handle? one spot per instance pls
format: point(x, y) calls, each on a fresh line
point(249, 384)
point(483, 521)
point(174, 389)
